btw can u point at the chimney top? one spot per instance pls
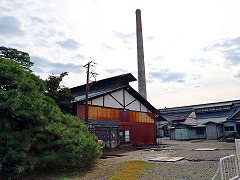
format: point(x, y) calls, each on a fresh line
point(138, 11)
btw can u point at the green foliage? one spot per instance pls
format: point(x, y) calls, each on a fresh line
point(61, 95)
point(33, 130)
point(18, 56)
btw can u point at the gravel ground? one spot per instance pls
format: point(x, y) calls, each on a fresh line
point(199, 165)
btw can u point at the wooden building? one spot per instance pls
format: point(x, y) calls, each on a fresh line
point(117, 113)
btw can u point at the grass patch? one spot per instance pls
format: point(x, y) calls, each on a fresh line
point(130, 170)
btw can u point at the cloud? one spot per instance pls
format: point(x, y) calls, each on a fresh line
point(115, 71)
point(159, 57)
point(230, 49)
point(232, 55)
point(104, 45)
point(237, 75)
point(78, 57)
point(195, 77)
point(150, 38)
point(36, 19)
point(125, 37)
point(10, 26)
point(42, 65)
point(68, 44)
point(197, 86)
point(167, 76)
point(201, 61)
point(228, 43)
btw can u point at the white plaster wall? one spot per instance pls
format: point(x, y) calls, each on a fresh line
point(98, 101)
point(118, 96)
point(135, 106)
point(128, 98)
point(110, 102)
point(143, 108)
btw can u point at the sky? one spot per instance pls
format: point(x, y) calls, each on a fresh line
point(191, 47)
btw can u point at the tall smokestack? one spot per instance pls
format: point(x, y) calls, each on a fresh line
point(140, 56)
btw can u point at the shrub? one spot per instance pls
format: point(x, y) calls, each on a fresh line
point(33, 130)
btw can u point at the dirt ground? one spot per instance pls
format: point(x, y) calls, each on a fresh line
point(196, 165)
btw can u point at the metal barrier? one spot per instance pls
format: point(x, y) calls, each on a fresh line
point(237, 144)
point(229, 167)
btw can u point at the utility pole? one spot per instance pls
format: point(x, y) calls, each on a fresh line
point(87, 87)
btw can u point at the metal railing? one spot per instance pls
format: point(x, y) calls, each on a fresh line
point(229, 166)
point(237, 144)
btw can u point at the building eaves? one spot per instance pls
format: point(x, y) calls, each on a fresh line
point(95, 94)
point(236, 111)
point(138, 96)
point(191, 107)
point(113, 82)
point(99, 93)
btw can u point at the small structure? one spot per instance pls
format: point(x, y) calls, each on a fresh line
point(169, 118)
point(186, 132)
point(117, 113)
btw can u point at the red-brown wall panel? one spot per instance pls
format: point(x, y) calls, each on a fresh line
point(142, 133)
point(141, 125)
point(81, 111)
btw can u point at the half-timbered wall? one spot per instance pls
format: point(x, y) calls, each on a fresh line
point(119, 100)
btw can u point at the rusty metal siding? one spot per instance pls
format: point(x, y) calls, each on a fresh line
point(98, 113)
point(141, 117)
point(141, 124)
point(81, 111)
point(103, 113)
point(123, 116)
point(142, 133)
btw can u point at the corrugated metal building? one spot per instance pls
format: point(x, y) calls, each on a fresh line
point(211, 121)
point(117, 113)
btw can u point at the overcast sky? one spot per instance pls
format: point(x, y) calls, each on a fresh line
point(191, 47)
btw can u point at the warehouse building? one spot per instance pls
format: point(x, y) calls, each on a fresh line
point(117, 113)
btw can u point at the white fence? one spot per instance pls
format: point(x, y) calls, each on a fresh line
point(229, 166)
point(237, 143)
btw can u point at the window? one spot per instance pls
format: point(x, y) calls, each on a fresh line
point(127, 136)
point(199, 131)
point(229, 128)
point(124, 136)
